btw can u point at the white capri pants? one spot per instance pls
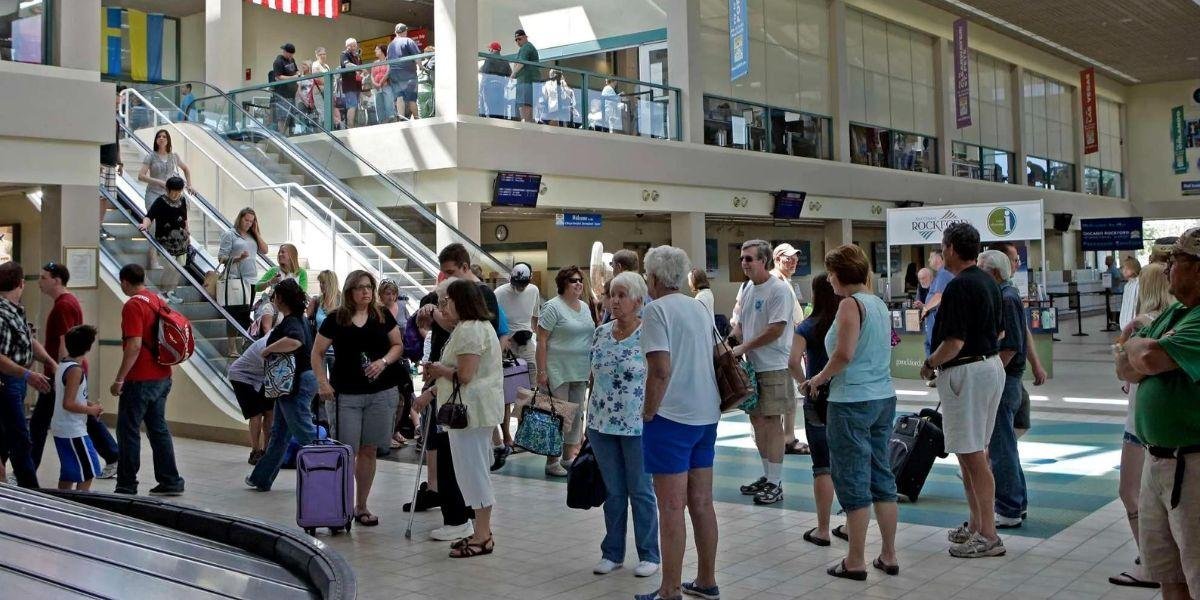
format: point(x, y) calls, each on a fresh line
point(471, 453)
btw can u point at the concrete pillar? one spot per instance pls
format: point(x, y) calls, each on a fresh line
point(944, 101)
point(1070, 241)
point(223, 44)
point(456, 91)
point(839, 78)
point(683, 43)
point(70, 218)
point(687, 233)
point(76, 34)
point(1016, 91)
point(462, 216)
point(837, 232)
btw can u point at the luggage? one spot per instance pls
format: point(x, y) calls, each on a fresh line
point(585, 484)
point(516, 376)
point(916, 441)
point(325, 486)
point(293, 447)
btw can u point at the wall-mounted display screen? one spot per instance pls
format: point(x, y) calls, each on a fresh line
point(516, 189)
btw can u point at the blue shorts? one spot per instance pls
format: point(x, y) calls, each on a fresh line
point(351, 99)
point(669, 447)
point(78, 459)
point(405, 89)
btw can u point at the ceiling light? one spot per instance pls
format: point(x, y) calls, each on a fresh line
point(1037, 38)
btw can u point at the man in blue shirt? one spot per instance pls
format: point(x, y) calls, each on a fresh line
point(402, 76)
point(934, 298)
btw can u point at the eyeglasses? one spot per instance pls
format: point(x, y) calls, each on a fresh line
point(748, 259)
point(575, 280)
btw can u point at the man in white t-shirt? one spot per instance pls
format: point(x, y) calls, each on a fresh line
point(764, 331)
point(521, 303)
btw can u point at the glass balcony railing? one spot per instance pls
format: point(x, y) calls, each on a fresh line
point(577, 99)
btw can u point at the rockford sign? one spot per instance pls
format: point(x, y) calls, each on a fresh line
point(1008, 221)
point(929, 227)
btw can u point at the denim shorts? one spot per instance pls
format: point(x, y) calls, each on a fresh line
point(670, 447)
point(405, 89)
point(351, 99)
point(858, 450)
point(818, 440)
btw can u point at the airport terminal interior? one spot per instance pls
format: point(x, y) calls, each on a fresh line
point(198, 197)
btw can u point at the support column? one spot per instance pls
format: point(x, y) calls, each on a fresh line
point(223, 44)
point(70, 218)
point(76, 34)
point(839, 76)
point(683, 43)
point(687, 233)
point(838, 232)
point(456, 90)
point(944, 101)
point(1070, 240)
point(463, 216)
point(1016, 91)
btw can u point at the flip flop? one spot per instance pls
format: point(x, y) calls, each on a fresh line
point(812, 539)
point(840, 570)
point(1128, 580)
point(886, 568)
point(366, 519)
point(797, 447)
point(840, 531)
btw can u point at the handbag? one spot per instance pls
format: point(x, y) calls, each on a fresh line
point(453, 414)
point(231, 293)
point(540, 431)
point(545, 401)
point(279, 376)
point(733, 383)
point(585, 482)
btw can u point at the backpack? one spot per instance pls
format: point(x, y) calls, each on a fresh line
point(174, 342)
point(414, 344)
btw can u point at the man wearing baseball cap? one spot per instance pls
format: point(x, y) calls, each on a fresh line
point(282, 69)
point(1164, 357)
point(521, 303)
point(526, 75)
point(787, 258)
point(494, 76)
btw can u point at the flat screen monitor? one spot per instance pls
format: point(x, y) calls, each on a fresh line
point(516, 189)
point(788, 204)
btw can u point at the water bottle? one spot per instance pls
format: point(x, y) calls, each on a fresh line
point(366, 363)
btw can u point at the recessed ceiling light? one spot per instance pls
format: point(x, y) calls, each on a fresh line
point(1193, 58)
point(1126, 20)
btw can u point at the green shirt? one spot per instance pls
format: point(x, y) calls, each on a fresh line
point(301, 278)
point(569, 348)
point(1167, 412)
point(528, 73)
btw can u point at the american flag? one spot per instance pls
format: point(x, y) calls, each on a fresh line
point(315, 8)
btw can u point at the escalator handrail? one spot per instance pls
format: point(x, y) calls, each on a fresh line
point(300, 190)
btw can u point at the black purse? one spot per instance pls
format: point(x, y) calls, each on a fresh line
point(453, 414)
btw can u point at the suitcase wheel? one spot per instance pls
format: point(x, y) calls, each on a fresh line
point(349, 522)
point(335, 530)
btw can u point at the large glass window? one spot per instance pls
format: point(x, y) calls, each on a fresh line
point(1048, 130)
point(985, 148)
point(1105, 165)
point(735, 124)
point(879, 147)
point(890, 71)
point(1102, 182)
point(977, 162)
point(24, 31)
point(1050, 174)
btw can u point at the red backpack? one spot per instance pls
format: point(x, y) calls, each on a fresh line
point(174, 342)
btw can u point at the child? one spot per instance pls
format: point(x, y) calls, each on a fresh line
point(76, 455)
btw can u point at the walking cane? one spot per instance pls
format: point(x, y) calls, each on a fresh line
point(427, 416)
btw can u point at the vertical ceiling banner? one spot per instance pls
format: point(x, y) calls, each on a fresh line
point(962, 76)
point(154, 46)
point(1087, 95)
point(110, 41)
point(139, 68)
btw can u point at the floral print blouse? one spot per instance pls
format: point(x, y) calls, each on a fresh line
point(619, 382)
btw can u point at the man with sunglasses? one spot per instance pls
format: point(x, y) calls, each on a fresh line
point(1164, 358)
point(65, 314)
point(525, 75)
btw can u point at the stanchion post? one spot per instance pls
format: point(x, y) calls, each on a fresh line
point(1079, 315)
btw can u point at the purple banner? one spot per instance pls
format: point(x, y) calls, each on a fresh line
point(962, 76)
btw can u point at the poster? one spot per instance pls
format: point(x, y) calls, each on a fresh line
point(1123, 233)
point(1179, 140)
point(1087, 94)
point(10, 242)
point(739, 39)
point(1011, 221)
point(82, 264)
point(962, 77)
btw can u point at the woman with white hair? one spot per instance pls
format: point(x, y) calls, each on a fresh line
point(680, 415)
point(614, 428)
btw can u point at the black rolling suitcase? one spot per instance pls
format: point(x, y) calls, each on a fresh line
point(916, 441)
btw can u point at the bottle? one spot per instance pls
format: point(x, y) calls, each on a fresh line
point(366, 363)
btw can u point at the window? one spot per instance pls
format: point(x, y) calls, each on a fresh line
point(1050, 174)
point(735, 124)
point(25, 31)
point(976, 162)
point(984, 150)
point(1102, 169)
point(879, 147)
point(1102, 182)
point(1048, 129)
point(890, 71)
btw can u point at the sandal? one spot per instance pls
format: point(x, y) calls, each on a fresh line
point(1130, 580)
point(472, 549)
point(812, 539)
point(797, 447)
point(366, 519)
point(886, 568)
point(840, 570)
point(840, 531)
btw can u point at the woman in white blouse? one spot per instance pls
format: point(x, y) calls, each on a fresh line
point(698, 281)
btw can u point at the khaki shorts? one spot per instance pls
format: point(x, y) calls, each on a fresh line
point(776, 395)
point(1170, 537)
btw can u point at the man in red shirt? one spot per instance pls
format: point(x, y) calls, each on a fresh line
point(65, 314)
point(142, 386)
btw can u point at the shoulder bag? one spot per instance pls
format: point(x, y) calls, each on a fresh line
point(232, 291)
point(540, 430)
point(280, 375)
point(733, 382)
point(453, 414)
point(585, 482)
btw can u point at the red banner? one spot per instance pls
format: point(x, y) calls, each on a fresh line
point(1087, 93)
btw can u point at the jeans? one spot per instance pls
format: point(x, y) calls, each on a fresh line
point(293, 419)
point(620, 460)
point(385, 103)
point(1002, 451)
point(39, 427)
point(858, 450)
point(144, 401)
point(15, 431)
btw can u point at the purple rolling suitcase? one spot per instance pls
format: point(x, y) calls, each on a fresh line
point(325, 486)
point(516, 375)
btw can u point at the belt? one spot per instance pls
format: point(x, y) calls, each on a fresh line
point(965, 360)
point(1180, 465)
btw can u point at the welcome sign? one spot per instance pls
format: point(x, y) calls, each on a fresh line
point(995, 222)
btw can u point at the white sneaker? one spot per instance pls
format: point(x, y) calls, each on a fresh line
point(645, 568)
point(109, 471)
point(173, 298)
point(452, 533)
point(605, 566)
point(1003, 522)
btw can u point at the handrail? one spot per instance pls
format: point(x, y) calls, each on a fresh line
point(289, 186)
point(542, 65)
point(332, 72)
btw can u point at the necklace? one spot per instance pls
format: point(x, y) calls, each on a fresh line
point(619, 334)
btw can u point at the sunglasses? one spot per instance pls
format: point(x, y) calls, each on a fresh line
point(748, 259)
point(50, 266)
point(575, 280)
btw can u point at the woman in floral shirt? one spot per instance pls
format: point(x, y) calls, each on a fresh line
point(614, 428)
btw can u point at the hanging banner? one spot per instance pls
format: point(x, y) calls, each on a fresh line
point(962, 75)
point(1124, 233)
point(1179, 140)
point(1011, 221)
point(1087, 94)
point(739, 39)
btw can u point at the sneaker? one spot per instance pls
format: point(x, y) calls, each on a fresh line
point(605, 566)
point(426, 499)
point(751, 489)
point(109, 471)
point(500, 456)
point(769, 494)
point(960, 534)
point(250, 484)
point(710, 593)
point(451, 533)
point(655, 596)
point(555, 469)
point(166, 490)
point(1003, 522)
point(978, 547)
point(10, 479)
point(645, 568)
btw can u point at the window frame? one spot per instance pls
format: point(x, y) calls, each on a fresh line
point(1099, 179)
point(1050, 164)
point(891, 160)
point(767, 127)
point(983, 151)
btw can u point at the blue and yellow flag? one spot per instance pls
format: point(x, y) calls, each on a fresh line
point(139, 70)
point(110, 41)
point(154, 44)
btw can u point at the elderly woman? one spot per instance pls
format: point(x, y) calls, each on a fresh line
point(680, 417)
point(615, 428)
point(365, 342)
point(470, 369)
point(563, 346)
point(862, 405)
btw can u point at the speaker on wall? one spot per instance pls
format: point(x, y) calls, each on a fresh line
point(1062, 221)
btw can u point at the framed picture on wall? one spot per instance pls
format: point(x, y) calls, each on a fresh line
point(10, 242)
point(83, 264)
